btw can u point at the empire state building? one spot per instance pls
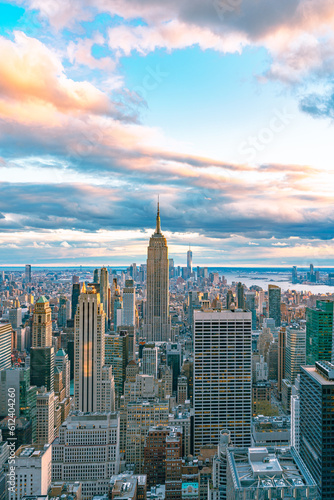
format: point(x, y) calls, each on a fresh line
point(157, 324)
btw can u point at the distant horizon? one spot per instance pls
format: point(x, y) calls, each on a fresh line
point(95, 266)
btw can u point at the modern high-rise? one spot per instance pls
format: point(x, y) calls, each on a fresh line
point(319, 332)
point(150, 361)
point(222, 377)
point(15, 316)
point(96, 278)
point(295, 357)
point(42, 367)
point(117, 356)
point(295, 414)
point(104, 287)
point(157, 321)
point(281, 358)
point(250, 306)
point(25, 396)
point(27, 274)
point(75, 298)
point(42, 324)
point(129, 304)
point(317, 424)
point(87, 450)
point(93, 381)
point(241, 296)
point(189, 261)
point(274, 299)
point(174, 360)
point(6, 332)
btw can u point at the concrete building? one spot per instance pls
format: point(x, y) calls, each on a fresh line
point(141, 415)
point(129, 304)
point(120, 487)
point(87, 450)
point(93, 381)
point(184, 419)
point(32, 472)
point(270, 431)
point(156, 449)
point(182, 390)
point(150, 361)
point(45, 417)
point(222, 377)
point(262, 473)
point(295, 357)
point(15, 317)
point(281, 359)
point(65, 490)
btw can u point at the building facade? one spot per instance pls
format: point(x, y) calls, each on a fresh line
point(317, 424)
point(222, 377)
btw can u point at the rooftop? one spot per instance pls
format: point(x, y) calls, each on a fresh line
point(42, 300)
point(261, 468)
point(318, 377)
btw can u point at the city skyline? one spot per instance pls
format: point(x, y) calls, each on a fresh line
point(223, 107)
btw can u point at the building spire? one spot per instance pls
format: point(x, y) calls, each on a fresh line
point(158, 229)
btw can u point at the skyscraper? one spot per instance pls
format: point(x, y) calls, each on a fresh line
point(274, 293)
point(42, 324)
point(129, 304)
point(189, 261)
point(27, 275)
point(93, 381)
point(157, 323)
point(42, 352)
point(281, 358)
point(75, 297)
point(222, 377)
point(295, 357)
point(5, 345)
point(104, 286)
point(150, 361)
point(319, 332)
point(317, 424)
point(241, 296)
point(96, 278)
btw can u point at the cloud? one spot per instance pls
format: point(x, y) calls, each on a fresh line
point(84, 207)
point(32, 77)
point(319, 106)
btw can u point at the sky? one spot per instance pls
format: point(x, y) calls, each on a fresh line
point(223, 108)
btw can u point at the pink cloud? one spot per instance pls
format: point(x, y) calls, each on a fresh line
point(32, 73)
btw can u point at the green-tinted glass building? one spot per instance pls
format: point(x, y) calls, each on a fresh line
point(117, 356)
point(319, 332)
point(42, 364)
